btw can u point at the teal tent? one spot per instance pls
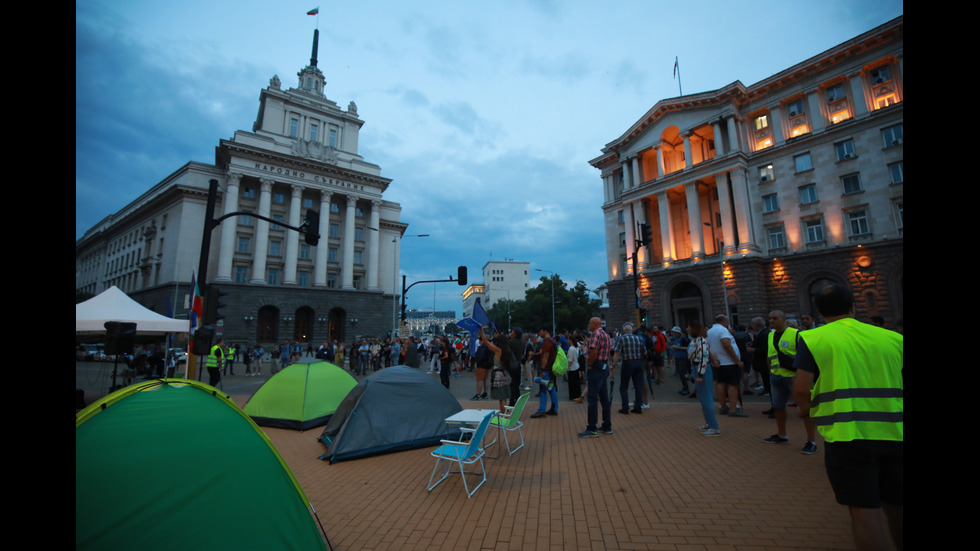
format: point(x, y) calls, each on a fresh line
point(174, 464)
point(301, 396)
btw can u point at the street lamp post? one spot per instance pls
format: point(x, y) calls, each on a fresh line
point(553, 328)
point(394, 283)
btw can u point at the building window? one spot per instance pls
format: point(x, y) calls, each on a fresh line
point(897, 172)
point(619, 217)
point(304, 252)
point(763, 135)
point(332, 254)
point(622, 239)
point(777, 237)
point(845, 150)
point(766, 174)
point(900, 214)
point(278, 198)
point(273, 276)
point(245, 220)
point(837, 106)
point(334, 208)
point(241, 274)
point(808, 194)
point(303, 279)
point(293, 127)
point(798, 125)
point(248, 193)
point(850, 183)
point(333, 138)
point(814, 231)
point(892, 135)
point(313, 132)
point(357, 258)
point(277, 218)
point(884, 92)
point(307, 203)
point(858, 221)
point(803, 162)
point(359, 212)
point(761, 122)
point(244, 245)
point(334, 230)
point(358, 234)
point(770, 203)
point(331, 281)
point(275, 248)
point(357, 282)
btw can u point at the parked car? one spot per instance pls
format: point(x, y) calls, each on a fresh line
point(90, 352)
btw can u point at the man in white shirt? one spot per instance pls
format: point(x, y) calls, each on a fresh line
point(728, 375)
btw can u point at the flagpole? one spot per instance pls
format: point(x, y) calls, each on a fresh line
point(677, 75)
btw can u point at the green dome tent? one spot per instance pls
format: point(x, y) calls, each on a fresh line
point(301, 396)
point(174, 464)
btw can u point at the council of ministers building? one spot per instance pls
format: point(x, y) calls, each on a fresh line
point(759, 196)
point(301, 155)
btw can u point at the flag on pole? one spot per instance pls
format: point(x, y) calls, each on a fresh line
point(676, 66)
point(197, 308)
point(314, 11)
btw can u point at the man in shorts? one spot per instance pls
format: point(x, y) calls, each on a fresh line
point(728, 377)
point(849, 382)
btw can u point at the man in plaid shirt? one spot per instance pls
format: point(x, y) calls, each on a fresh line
point(599, 348)
point(631, 349)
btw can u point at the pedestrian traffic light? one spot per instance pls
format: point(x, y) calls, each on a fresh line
point(312, 225)
point(646, 233)
point(213, 305)
point(461, 275)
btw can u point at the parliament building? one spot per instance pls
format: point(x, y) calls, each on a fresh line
point(755, 197)
point(300, 155)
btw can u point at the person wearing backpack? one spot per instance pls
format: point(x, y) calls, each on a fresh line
point(546, 379)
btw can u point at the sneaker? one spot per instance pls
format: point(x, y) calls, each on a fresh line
point(552, 411)
point(712, 432)
point(475, 397)
point(776, 439)
point(637, 410)
point(645, 406)
point(625, 411)
point(537, 415)
point(483, 396)
point(588, 434)
point(607, 431)
point(683, 392)
point(703, 428)
point(723, 411)
point(809, 448)
point(737, 414)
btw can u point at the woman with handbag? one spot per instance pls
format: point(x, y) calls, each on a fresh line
point(698, 354)
point(500, 375)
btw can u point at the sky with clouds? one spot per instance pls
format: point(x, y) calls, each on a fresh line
point(484, 114)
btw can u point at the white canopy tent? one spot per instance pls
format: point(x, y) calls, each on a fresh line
point(115, 305)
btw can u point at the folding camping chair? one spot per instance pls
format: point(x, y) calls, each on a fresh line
point(462, 454)
point(509, 422)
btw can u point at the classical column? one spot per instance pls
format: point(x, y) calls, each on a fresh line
point(637, 174)
point(718, 128)
point(229, 227)
point(322, 247)
point(813, 115)
point(733, 134)
point(628, 223)
point(743, 210)
point(347, 262)
point(292, 238)
point(661, 169)
point(666, 228)
point(627, 177)
point(778, 136)
point(374, 248)
point(688, 156)
point(727, 217)
point(262, 233)
point(694, 220)
point(858, 97)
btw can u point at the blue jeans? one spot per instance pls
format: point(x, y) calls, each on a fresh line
point(598, 381)
point(545, 393)
point(633, 370)
point(706, 393)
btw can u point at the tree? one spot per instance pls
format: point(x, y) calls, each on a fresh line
point(573, 307)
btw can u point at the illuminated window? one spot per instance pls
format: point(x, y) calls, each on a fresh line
point(845, 150)
point(803, 162)
point(761, 122)
point(837, 106)
point(892, 135)
point(884, 91)
point(808, 194)
point(798, 125)
point(763, 135)
point(770, 203)
point(766, 174)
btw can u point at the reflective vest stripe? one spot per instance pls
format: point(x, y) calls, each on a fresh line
point(850, 393)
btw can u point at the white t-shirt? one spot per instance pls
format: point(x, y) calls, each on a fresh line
point(716, 334)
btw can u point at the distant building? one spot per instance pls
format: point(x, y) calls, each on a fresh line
point(301, 155)
point(502, 280)
point(429, 321)
point(758, 196)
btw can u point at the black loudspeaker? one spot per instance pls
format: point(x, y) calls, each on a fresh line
point(120, 337)
point(202, 341)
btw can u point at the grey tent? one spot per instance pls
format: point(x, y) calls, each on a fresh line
point(398, 408)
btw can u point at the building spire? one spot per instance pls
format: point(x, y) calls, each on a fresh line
point(316, 40)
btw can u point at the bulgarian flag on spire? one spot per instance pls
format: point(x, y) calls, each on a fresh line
point(196, 308)
point(314, 11)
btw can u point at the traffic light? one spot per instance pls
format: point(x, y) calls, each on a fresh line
point(646, 233)
point(461, 275)
point(312, 225)
point(213, 305)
